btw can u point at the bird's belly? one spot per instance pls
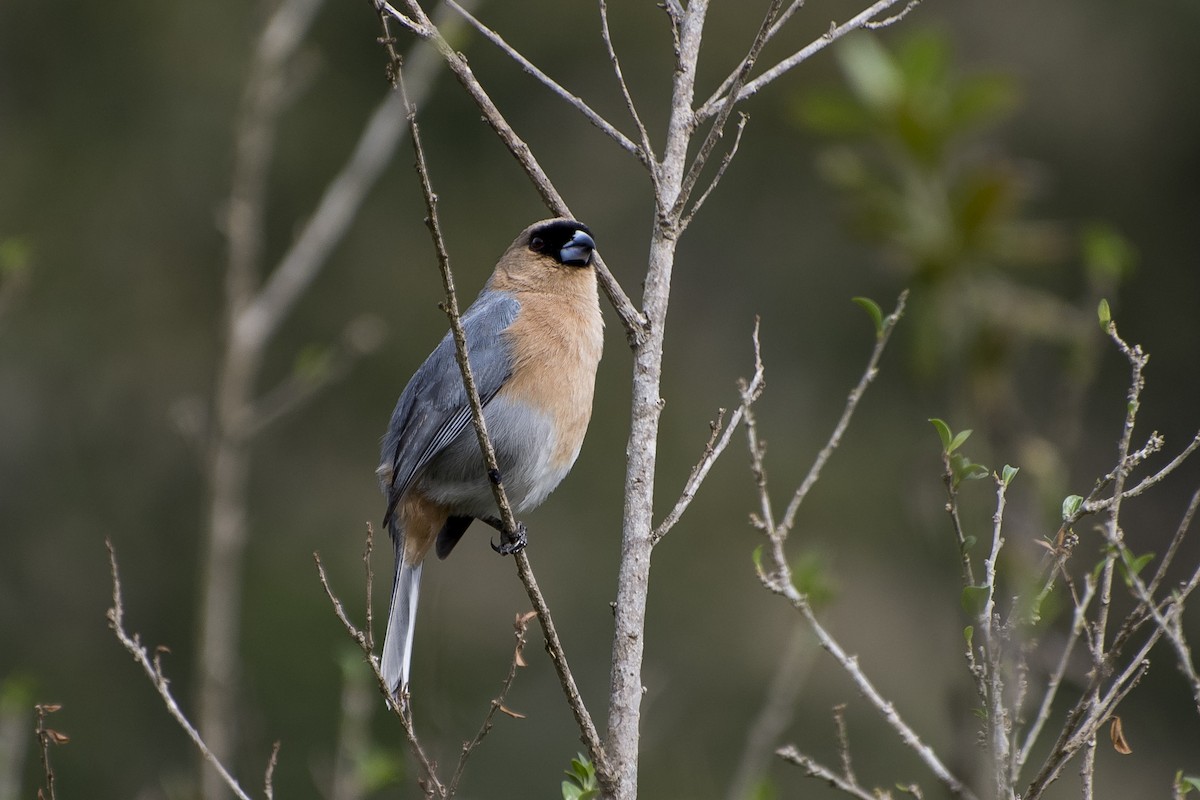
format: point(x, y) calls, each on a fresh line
point(526, 444)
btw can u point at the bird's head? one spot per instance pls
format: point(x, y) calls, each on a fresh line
point(566, 241)
point(548, 255)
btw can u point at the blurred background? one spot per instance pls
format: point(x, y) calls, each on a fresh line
point(1009, 163)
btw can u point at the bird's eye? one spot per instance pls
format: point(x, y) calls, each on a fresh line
point(537, 244)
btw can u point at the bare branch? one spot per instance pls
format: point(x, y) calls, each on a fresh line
point(429, 780)
point(776, 26)
point(633, 320)
point(46, 738)
point(642, 154)
point(814, 472)
point(647, 157)
point(876, 24)
point(587, 728)
point(269, 777)
point(153, 669)
point(717, 443)
point(814, 769)
point(751, 88)
point(520, 626)
point(717, 130)
point(725, 162)
point(1107, 503)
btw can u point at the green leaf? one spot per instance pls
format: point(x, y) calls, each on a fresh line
point(1070, 506)
point(581, 783)
point(756, 555)
point(969, 635)
point(1186, 783)
point(1131, 565)
point(1008, 473)
point(874, 311)
point(943, 433)
point(872, 74)
point(1107, 254)
point(1104, 313)
point(963, 469)
point(974, 598)
point(968, 543)
point(959, 439)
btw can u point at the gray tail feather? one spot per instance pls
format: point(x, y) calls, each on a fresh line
point(398, 640)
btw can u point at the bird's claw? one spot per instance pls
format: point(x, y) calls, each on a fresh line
point(511, 544)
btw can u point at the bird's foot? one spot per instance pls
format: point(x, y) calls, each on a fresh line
point(512, 543)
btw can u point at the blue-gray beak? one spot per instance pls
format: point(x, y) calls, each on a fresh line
point(577, 252)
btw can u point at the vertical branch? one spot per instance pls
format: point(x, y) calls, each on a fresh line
point(633, 579)
point(553, 644)
point(254, 310)
point(228, 463)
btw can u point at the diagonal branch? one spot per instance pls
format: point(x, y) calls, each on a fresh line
point(717, 443)
point(717, 129)
point(862, 20)
point(647, 151)
point(153, 669)
point(642, 153)
point(553, 644)
point(633, 320)
point(814, 472)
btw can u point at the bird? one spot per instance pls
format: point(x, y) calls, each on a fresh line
point(534, 340)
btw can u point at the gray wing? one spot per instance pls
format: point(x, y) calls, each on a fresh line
point(433, 408)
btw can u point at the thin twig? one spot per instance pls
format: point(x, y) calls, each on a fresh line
point(587, 727)
point(717, 443)
point(814, 769)
point(269, 777)
point(633, 320)
point(47, 737)
point(429, 780)
point(814, 472)
point(520, 626)
point(726, 160)
point(717, 129)
point(712, 106)
point(876, 24)
point(775, 573)
point(153, 669)
point(647, 157)
point(624, 142)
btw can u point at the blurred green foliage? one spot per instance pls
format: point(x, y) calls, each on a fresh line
point(915, 151)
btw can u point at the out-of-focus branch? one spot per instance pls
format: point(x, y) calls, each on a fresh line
point(255, 308)
point(154, 671)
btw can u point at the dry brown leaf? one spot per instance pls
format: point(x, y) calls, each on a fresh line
point(56, 737)
point(1117, 733)
point(511, 713)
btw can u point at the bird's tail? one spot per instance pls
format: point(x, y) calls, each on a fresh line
point(398, 641)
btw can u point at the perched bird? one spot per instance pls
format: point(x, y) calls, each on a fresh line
point(534, 337)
